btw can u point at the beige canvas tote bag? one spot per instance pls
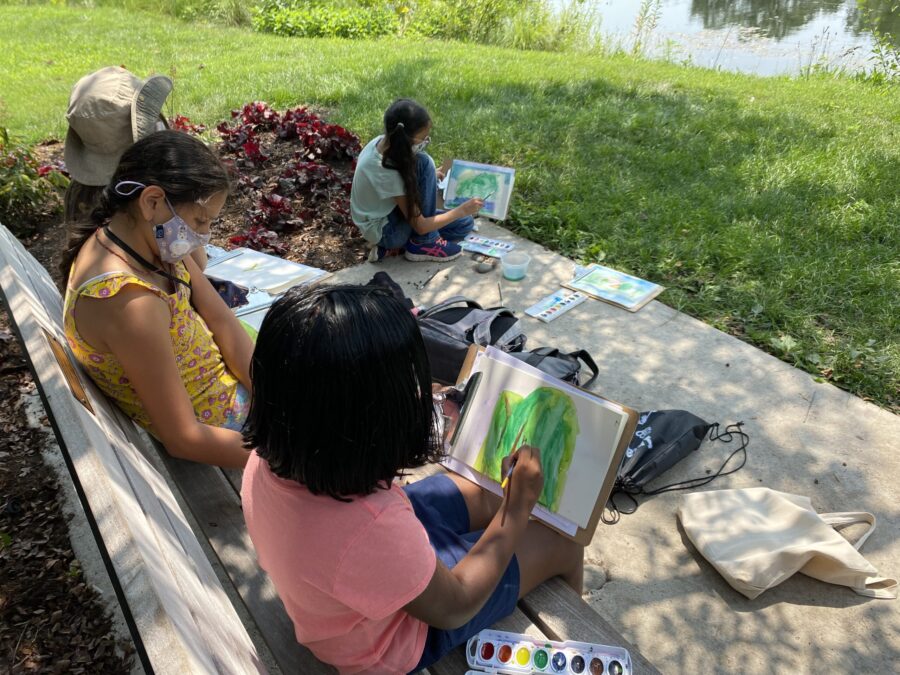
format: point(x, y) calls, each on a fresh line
point(757, 537)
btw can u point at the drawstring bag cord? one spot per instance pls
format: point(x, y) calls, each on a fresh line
point(623, 487)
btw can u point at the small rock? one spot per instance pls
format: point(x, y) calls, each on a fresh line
point(483, 267)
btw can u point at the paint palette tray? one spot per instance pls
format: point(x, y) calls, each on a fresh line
point(494, 651)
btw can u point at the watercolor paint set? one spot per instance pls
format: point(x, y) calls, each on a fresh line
point(495, 248)
point(494, 651)
point(555, 304)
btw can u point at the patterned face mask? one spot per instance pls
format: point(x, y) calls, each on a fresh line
point(175, 238)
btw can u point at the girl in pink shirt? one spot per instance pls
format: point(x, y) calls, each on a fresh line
point(377, 578)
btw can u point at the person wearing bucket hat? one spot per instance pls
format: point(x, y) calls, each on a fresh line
point(109, 110)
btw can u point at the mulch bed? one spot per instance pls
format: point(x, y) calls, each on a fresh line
point(51, 619)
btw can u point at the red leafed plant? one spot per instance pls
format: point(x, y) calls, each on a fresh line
point(288, 194)
point(312, 179)
point(319, 139)
point(242, 141)
point(258, 115)
point(261, 239)
point(182, 123)
point(275, 212)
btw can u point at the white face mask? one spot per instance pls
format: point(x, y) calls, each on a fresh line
point(175, 238)
point(420, 147)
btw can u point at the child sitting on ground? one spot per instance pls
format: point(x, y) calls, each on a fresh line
point(377, 578)
point(393, 200)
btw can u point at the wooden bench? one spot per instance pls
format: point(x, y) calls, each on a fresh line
point(172, 533)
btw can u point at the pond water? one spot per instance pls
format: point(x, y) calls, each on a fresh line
point(767, 37)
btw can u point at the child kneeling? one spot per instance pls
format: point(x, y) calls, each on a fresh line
point(393, 200)
point(376, 577)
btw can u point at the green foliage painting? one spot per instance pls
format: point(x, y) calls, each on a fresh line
point(545, 419)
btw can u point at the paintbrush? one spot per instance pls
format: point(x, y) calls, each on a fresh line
point(512, 464)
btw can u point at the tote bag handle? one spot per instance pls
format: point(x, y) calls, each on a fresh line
point(876, 587)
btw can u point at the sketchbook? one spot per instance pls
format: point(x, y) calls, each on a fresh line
point(582, 438)
point(614, 287)
point(264, 274)
point(493, 184)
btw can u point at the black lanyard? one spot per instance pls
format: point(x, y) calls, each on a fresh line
point(146, 264)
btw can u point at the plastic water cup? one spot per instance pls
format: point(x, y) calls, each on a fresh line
point(515, 265)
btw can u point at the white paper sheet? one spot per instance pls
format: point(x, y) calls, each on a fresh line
point(601, 424)
point(265, 272)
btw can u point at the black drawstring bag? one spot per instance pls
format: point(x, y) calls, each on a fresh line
point(233, 294)
point(662, 439)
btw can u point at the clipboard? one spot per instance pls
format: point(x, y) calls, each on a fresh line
point(581, 535)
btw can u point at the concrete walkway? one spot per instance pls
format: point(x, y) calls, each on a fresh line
point(806, 438)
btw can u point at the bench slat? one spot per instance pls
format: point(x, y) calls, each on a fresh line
point(561, 613)
point(180, 618)
point(217, 508)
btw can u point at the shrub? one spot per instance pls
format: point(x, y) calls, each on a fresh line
point(318, 138)
point(523, 24)
point(28, 191)
point(325, 19)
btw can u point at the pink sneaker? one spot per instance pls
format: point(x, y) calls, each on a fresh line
point(439, 250)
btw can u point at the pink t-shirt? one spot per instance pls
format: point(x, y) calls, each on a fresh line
point(343, 570)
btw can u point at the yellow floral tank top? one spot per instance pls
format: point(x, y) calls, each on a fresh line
point(212, 388)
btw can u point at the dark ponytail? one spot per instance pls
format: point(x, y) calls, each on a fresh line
point(183, 166)
point(402, 121)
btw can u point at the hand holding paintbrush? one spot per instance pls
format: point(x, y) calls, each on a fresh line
point(523, 464)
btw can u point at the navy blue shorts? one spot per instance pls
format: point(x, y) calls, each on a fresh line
point(440, 506)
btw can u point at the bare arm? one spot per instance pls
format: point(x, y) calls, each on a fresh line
point(199, 256)
point(231, 338)
point(422, 225)
point(453, 597)
point(137, 332)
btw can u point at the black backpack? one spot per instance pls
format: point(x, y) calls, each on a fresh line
point(449, 330)
point(562, 365)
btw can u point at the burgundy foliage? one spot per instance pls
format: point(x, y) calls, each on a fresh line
point(307, 189)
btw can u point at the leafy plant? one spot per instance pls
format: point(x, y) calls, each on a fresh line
point(314, 180)
point(326, 19)
point(258, 116)
point(27, 189)
point(319, 139)
point(182, 123)
point(260, 239)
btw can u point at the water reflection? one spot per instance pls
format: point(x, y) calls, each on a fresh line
point(777, 19)
point(882, 16)
point(759, 36)
point(774, 19)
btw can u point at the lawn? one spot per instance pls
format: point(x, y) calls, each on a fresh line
point(768, 207)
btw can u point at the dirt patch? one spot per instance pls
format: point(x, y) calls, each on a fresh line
point(51, 619)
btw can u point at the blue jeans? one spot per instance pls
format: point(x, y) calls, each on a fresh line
point(397, 231)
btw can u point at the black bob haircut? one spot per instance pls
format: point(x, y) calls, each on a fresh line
point(341, 391)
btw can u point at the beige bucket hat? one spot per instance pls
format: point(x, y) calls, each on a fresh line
point(108, 111)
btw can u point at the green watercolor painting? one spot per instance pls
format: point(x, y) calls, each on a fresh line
point(481, 184)
point(547, 420)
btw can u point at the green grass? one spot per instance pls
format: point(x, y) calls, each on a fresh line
point(770, 208)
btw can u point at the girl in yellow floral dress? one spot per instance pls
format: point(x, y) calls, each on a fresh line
point(139, 315)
